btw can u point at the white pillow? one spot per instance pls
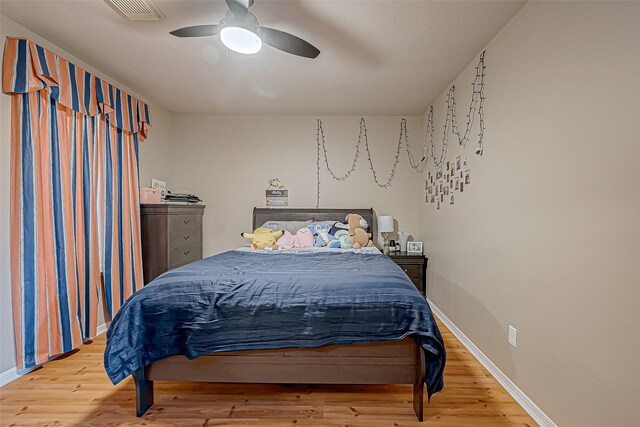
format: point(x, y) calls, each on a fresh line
point(290, 226)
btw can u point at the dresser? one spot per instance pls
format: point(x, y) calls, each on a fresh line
point(414, 265)
point(171, 237)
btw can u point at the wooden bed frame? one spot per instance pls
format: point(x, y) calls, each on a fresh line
point(385, 362)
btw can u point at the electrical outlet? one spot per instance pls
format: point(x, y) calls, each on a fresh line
point(513, 336)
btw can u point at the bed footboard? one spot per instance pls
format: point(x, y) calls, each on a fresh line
point(388, 362)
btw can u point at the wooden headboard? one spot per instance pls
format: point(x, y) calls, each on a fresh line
point(262, 215)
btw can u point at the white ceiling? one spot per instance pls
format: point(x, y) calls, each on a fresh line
point(378, 57)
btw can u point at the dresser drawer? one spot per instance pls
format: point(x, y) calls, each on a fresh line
point(414, 271)
point(171, 236)
point(180, 222)
point(180, 255)
point(178, 238)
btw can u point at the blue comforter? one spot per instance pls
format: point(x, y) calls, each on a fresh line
point(249, 301)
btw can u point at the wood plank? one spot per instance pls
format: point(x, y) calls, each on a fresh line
point(312, 373)
point(75, 390)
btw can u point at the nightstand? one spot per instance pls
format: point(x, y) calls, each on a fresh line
point(414, 265)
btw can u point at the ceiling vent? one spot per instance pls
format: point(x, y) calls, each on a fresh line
point(136, 10)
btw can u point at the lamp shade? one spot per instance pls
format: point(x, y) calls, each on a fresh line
point(385, 224)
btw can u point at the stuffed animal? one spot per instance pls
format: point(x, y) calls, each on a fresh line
point(321, 230)
point(357, 231)
point(263, 238)
point(338, 226)
point(334, 244)
point(286, 241)
point(323, 241)
point(275, 182)
point(346, 242)
point(356, 221)
point(303, 238)
point(361, 239)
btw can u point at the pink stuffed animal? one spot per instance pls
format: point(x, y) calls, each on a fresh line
point(286, 240)
point(303, 238)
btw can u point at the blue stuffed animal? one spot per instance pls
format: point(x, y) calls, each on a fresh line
point(339, 226)
point(334, 244)
point(346, 242)
point(321, 231)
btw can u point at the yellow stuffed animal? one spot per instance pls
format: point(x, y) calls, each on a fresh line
point(263, 238)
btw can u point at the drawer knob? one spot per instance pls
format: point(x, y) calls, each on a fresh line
point(186, 253)
point(406, 270)
point(186, 237)
point(186, 221)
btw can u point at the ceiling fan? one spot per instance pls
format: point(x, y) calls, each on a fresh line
point(239, 31)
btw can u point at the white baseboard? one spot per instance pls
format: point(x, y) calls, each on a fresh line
point(12, 374)
point(523, 400)
point(101, 329)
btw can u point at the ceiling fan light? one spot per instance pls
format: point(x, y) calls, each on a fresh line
point(240, 40)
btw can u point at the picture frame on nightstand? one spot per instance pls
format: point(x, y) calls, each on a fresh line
point(414, 248)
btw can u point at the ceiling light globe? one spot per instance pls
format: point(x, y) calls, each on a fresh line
point(240, 40)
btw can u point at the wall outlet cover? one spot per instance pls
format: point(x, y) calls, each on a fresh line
point(513, 336)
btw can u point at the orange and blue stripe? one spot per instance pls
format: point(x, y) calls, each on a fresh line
point(74, 153)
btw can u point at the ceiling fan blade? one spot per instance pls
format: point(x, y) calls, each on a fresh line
point(196, 31)
point(238, 8)
point(288, 43)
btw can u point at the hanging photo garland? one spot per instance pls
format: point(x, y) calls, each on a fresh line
point(476, 107)
point(458, 174)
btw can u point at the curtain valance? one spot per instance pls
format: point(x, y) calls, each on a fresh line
point(29, 67)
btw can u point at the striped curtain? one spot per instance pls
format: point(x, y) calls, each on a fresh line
point(118, 203)
point(74, 183)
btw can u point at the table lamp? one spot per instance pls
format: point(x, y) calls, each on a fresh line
point(385, 226)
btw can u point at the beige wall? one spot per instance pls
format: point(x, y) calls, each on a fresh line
point(227, 161)
point(155, 160)
point(547, 236)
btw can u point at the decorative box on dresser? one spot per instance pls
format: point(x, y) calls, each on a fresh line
point(171, 237)
point(415, 265)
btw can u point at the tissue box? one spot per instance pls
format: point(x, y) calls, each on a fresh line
point(149, 196)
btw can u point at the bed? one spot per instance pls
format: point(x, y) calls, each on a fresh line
point(332, 317)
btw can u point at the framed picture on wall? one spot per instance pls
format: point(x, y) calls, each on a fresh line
point(414, 248)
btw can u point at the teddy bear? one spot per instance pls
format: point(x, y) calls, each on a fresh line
point(262, 238)
point(357, 231)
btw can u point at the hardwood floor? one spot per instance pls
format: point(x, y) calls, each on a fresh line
point(75, 390)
